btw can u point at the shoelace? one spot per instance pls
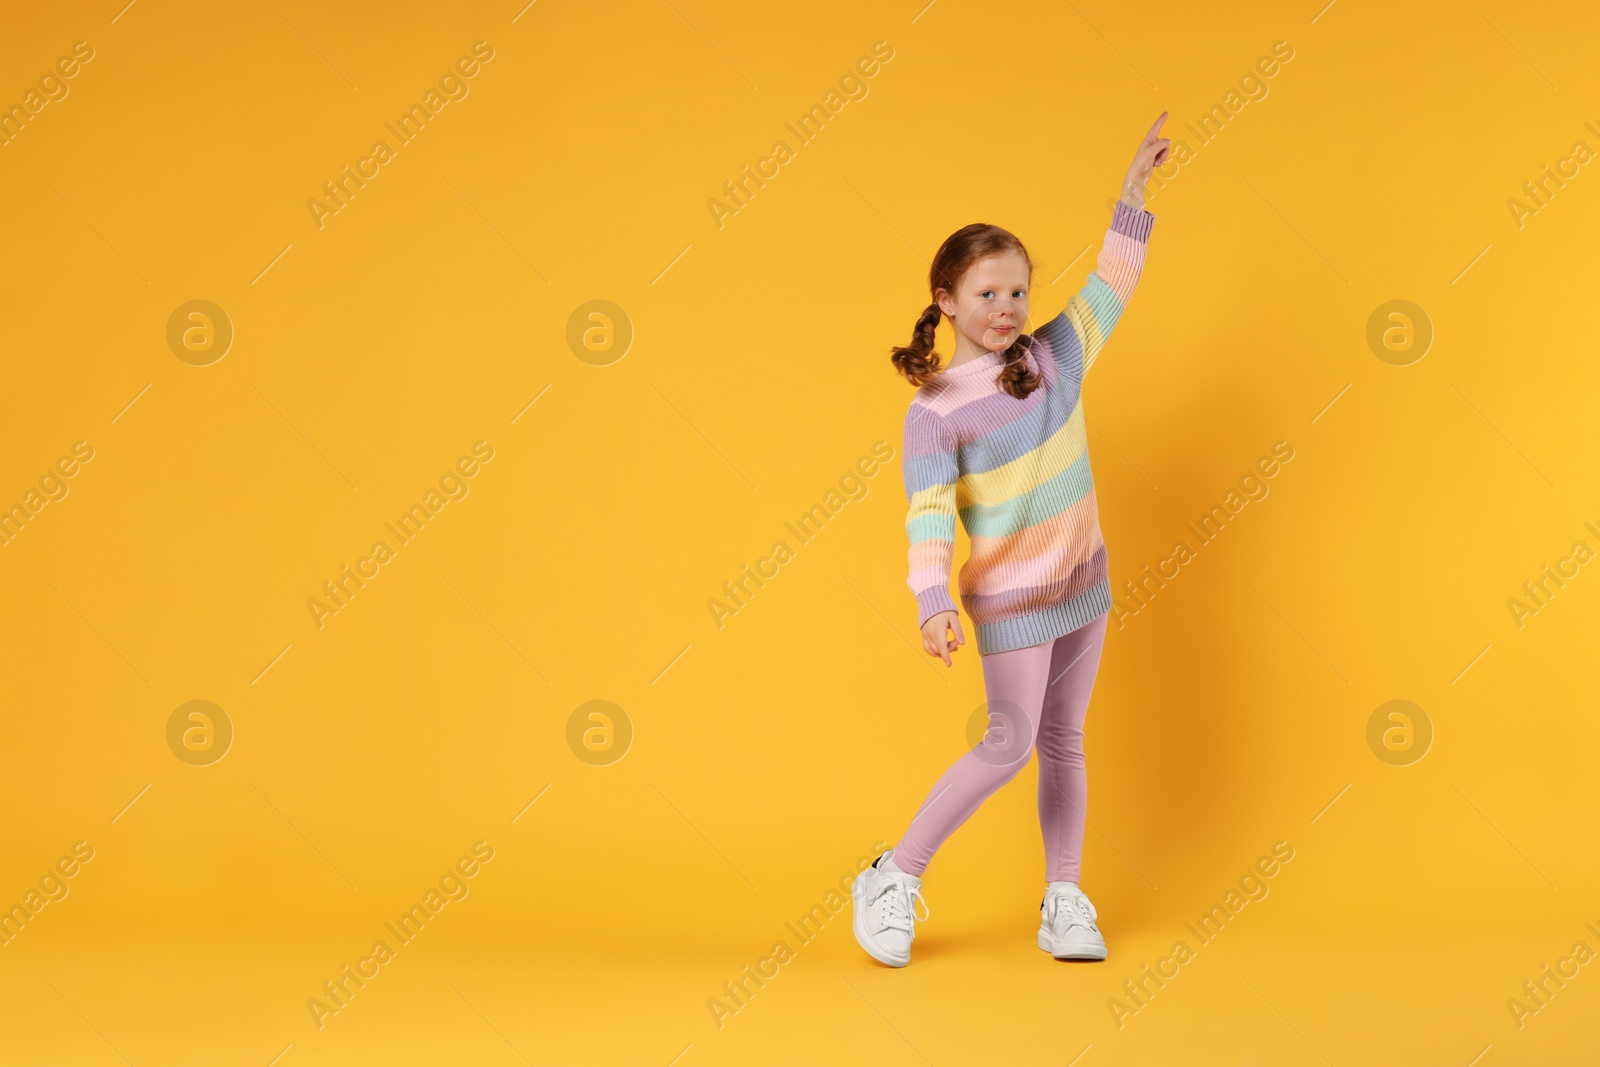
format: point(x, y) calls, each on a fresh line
point(1073, 910)
point(899, 904)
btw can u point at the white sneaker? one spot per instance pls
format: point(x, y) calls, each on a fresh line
point(885, 915)
point(1067, 927)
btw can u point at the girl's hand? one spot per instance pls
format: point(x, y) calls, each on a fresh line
point(935, 639)
point(1151, 154)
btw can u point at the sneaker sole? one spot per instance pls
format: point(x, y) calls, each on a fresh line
point(1047, 943)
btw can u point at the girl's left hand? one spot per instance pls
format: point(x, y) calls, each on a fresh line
point(1151, 154)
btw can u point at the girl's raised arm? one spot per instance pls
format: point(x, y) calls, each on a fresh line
point(1081, 330)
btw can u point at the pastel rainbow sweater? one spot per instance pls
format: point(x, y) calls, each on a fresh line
point(1017, 472)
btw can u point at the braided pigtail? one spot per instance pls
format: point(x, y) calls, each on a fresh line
point(1020, 375)
point(918, 361)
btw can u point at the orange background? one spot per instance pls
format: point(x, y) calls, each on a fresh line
point(628, 483)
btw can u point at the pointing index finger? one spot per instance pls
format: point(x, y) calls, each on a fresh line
point(1153, 129)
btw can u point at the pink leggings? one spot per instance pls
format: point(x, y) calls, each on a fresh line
point(1040, 693)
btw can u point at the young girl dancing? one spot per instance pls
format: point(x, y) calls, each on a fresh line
point(997, 436)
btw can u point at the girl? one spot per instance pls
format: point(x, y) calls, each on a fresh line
point(997, 436)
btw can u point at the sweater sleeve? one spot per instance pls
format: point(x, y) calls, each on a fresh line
point(931, 474)
point(1080, 331)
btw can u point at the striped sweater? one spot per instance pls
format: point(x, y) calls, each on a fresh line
point(1017, 472)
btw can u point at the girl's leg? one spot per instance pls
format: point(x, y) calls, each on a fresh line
point(1014, 683)
point(1063, 783)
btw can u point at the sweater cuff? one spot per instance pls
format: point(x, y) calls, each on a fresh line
point(931, 602)
point(1132, 222)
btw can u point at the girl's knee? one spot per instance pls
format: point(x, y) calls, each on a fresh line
point(1007, 759)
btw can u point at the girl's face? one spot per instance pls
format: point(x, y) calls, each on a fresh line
point(990, 304)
